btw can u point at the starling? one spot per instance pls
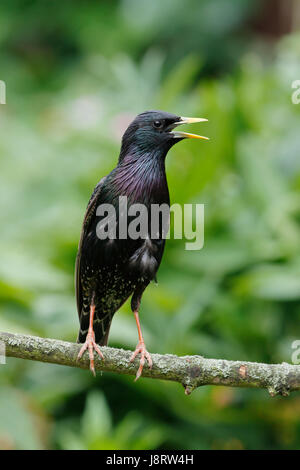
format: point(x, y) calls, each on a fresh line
point(110, 270)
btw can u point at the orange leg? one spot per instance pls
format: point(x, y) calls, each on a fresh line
point(140, 349)
point(90, 343)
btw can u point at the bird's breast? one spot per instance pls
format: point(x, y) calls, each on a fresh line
point(142, 182)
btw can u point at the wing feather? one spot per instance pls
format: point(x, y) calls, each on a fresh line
point(89, 213)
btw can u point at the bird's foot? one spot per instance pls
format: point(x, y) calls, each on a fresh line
point(90, 345)
point(141, 349)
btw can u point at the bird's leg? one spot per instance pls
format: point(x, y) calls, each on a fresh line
point(90, 343)
point(140, 349)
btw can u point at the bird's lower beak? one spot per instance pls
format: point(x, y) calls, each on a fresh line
point(186, 135)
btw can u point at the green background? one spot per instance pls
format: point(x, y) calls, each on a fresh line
point(76, 73)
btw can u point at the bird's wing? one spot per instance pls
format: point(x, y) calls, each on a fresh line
point(89, 213)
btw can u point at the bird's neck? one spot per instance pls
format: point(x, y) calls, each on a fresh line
point(142, 178)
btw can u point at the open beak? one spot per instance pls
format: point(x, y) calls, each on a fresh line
point(186, 135)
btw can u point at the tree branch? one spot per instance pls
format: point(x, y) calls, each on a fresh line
point(190, 371)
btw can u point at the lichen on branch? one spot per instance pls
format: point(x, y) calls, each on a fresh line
point(190, 371)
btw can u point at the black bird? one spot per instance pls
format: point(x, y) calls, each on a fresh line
point(109, 270)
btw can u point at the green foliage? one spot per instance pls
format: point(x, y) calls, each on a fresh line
point(75, 76)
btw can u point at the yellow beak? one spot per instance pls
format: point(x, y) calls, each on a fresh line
point(189, 120)
point(186, 135)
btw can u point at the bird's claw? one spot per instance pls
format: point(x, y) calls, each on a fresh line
point(90, 345)
point(141, 349)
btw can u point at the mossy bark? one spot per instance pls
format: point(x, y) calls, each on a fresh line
point(190, 371)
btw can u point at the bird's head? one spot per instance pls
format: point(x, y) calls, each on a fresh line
point(153, 132)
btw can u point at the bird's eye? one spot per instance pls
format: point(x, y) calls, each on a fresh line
point(157, 124)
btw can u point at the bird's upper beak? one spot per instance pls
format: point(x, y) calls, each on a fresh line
point(186, 135)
